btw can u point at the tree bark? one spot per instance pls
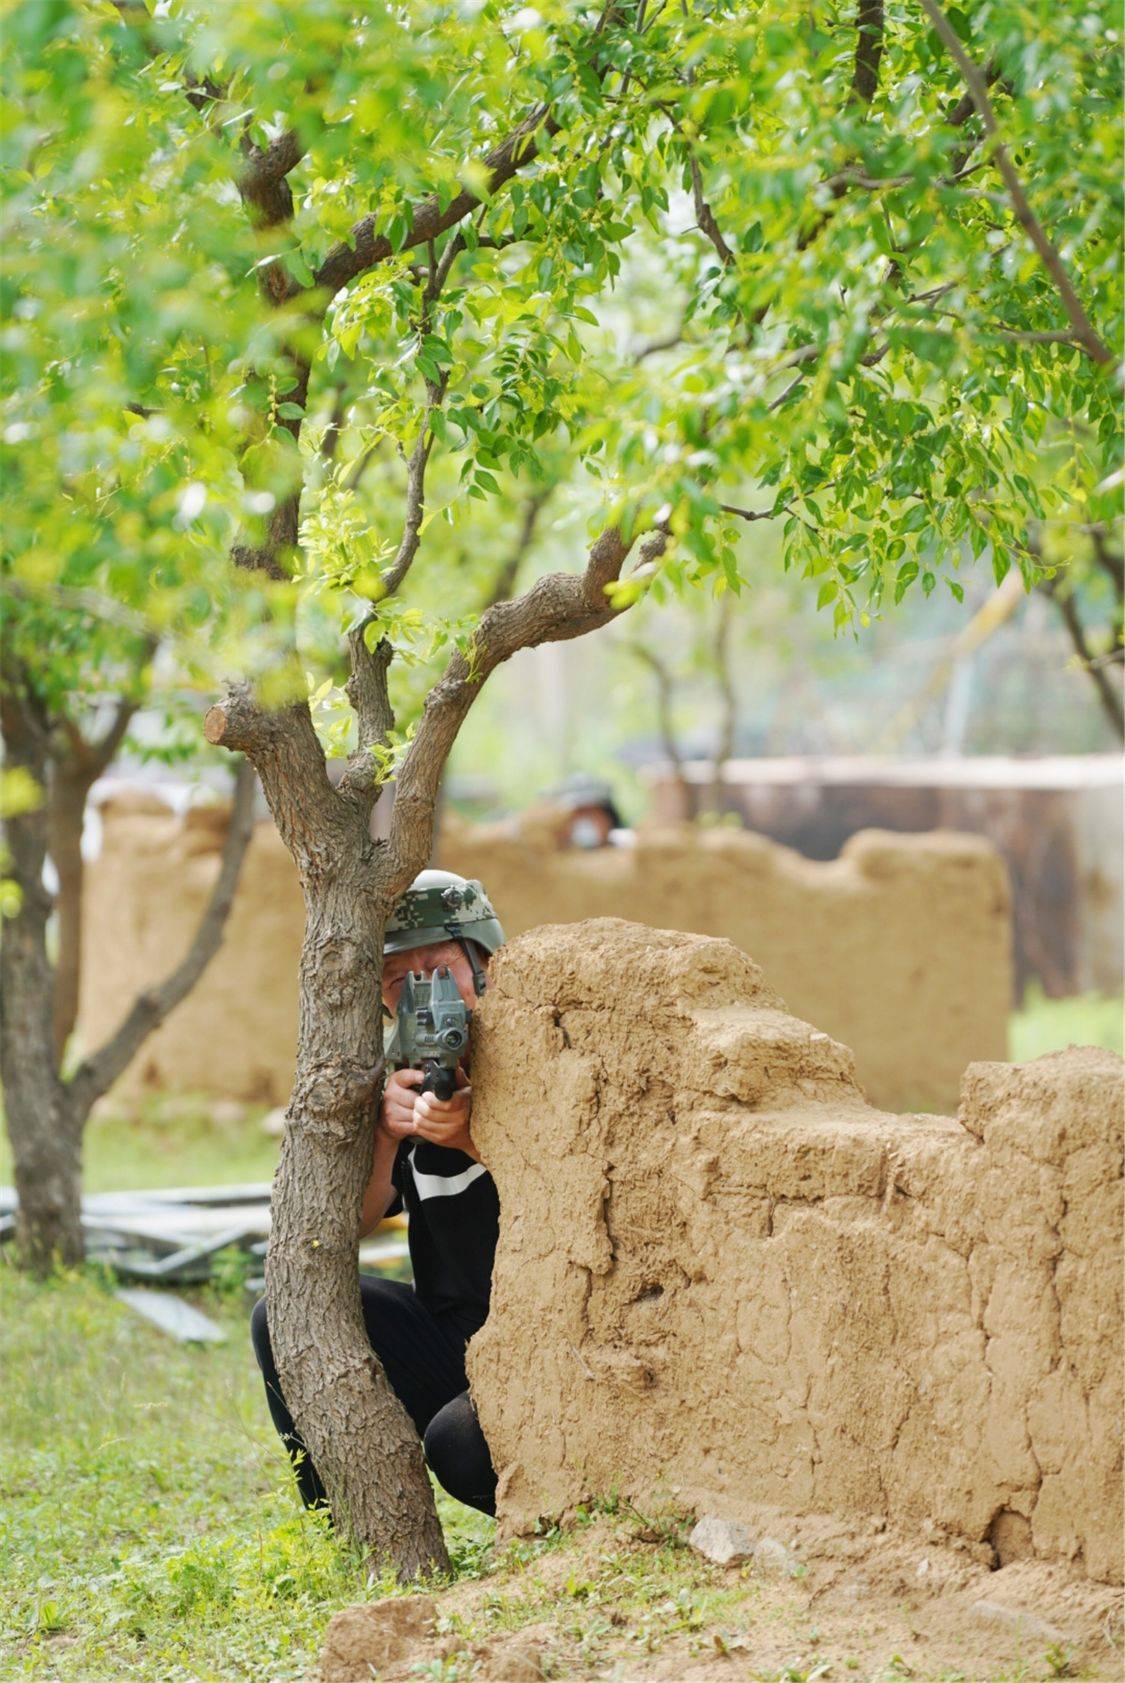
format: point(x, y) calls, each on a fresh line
point(728, 714)
point(69, 785)
point(358, 1434)
point(74, 765)
point(45, 1115)
point(46, 1144)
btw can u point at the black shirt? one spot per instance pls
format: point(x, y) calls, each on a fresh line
point(453, 1223)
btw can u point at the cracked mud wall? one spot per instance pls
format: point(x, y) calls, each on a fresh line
point(900, 947)
point(724, 1280)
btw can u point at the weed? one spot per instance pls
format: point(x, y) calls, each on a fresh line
point(456, 1669)
point(230, 1270)
point(49, 1619)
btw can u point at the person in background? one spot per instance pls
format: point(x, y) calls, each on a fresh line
point(589, 817)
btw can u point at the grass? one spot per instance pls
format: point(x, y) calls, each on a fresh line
point(170, 1141)
point(150, 1527)
point(150, 1530)
point(1050, 1025)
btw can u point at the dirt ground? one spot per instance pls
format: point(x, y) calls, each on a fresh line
point(621, 1597)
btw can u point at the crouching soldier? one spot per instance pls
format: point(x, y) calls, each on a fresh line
point(425, 1162)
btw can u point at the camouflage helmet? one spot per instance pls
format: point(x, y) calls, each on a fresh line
point(441, 906)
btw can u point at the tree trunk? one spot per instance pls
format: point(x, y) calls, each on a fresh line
point(684, 796)
point(47, 1164)
point(46, 1145)
point(66, 811)
point(728, 716)
point(45, 1115)
point(363, 1444)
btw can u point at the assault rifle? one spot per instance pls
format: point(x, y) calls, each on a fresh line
point(433, 1030)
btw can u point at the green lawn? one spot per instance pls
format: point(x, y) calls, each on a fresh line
point(149, 1525)
point(1049, 1025)
point(169, 1142)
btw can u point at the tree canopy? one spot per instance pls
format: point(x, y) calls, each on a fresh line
point(432, 266)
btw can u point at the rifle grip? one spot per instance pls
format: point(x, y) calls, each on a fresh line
point(439, 1081)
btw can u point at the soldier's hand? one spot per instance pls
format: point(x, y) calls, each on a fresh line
point(446, 1121)
point(396, 1113)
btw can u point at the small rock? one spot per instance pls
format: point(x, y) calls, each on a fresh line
point(361, 1641)
point(773, 1557)
point(273, 1122)
point(722, 1540)
point(923, 1569)
point(1017, 1620)
point(516, 1663)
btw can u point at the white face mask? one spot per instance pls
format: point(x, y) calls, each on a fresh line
point(586, 832)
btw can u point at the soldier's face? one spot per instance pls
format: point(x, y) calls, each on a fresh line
point(427, 959)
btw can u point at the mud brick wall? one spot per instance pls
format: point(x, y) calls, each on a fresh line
point(235, 1035)
point(900, 947)
point(724, 1279)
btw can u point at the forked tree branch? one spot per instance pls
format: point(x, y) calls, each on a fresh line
point(368, 691)
point(367, 686)
point(283, 745)
point(437, 276)
point(1084, 331)
point(554, 609)
point(97, 1073)
point(364, 246)
point(86, 759)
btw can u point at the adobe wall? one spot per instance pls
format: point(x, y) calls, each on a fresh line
point(1056, 820)
point(235, 1035)
point(724, 1280)
point(900, 947)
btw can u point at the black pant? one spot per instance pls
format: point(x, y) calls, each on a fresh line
point(423, 1356)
